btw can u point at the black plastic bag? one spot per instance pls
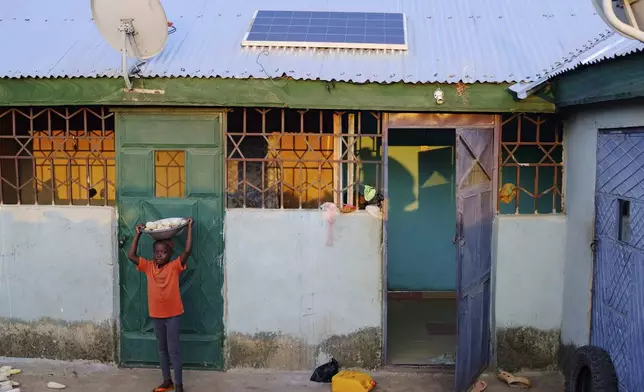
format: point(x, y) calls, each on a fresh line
point(324, 373)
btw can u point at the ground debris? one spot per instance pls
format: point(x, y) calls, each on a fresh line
point(7, 385)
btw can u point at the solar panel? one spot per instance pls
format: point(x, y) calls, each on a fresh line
point(357, 30)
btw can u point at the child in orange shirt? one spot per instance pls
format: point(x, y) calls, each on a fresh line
point(164, 302)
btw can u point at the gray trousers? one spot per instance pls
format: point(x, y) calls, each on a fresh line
point(168, 331)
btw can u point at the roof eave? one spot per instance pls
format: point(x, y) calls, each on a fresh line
point(523, 90)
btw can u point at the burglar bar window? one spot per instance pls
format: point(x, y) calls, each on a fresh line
point(281, 158)
point(57, 156)
point(531, 165)
point(170, 174)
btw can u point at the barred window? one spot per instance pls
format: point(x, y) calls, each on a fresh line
point(57, 156)
point(281, 158)
point(531, 165)
point(170, 174)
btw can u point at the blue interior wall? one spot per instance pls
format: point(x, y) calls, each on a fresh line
point(422, 210)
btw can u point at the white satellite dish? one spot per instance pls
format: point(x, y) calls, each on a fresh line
point(625, 16)
point(136, 28)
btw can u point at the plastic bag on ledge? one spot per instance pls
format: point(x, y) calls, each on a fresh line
point(324, 373)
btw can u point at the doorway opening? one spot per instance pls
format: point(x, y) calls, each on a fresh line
point(421, 251)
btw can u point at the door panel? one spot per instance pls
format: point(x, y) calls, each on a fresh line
point(201, 284)
point(474, 165)
point(169, 130)
point(139, 181)
point(201, 183)
point(618, 278)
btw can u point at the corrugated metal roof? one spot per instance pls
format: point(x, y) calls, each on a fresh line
point(611, 46)
point(614, 45)
point(449, 41)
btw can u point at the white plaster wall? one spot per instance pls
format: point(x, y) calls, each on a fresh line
point(282, 277)
point(529, 263)
point(580, 133)
point(58, 262)
point(580, 139)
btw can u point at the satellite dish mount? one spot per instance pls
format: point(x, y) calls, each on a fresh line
point(127, 29)
point(120, 21)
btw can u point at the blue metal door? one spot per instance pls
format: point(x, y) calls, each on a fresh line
point(618, 284)
point(474, 207)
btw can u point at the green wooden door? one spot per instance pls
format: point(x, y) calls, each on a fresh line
point(171, 165)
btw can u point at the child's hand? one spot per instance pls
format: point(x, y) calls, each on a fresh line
point(140, 228)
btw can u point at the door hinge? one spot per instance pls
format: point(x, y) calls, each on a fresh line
point(593, 245)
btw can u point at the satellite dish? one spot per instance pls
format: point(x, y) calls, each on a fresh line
point(136, 28)
point(625, 16)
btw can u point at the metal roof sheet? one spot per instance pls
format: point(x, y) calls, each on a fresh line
point(449, 41)
point(612, 45)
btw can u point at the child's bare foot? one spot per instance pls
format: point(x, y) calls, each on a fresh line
point(166, 386)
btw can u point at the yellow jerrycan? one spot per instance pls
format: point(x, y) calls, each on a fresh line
point(349, 381)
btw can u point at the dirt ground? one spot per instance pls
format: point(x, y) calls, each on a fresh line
point(82, 376)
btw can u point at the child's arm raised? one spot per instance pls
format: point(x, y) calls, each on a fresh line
point(135, 244)
point(186, 252)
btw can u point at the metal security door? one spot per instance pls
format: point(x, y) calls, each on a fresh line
point(474, 207)
point(172, 165)
point(618, 281)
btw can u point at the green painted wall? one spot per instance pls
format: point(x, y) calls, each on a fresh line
point(209, 92)
point(422, 211)
point(619, 78)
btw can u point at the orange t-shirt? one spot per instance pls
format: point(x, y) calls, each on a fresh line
point(164, 297)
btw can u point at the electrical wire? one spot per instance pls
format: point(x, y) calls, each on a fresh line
point(266, 52)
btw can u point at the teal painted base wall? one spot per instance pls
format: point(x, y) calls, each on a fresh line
point(422, 211)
